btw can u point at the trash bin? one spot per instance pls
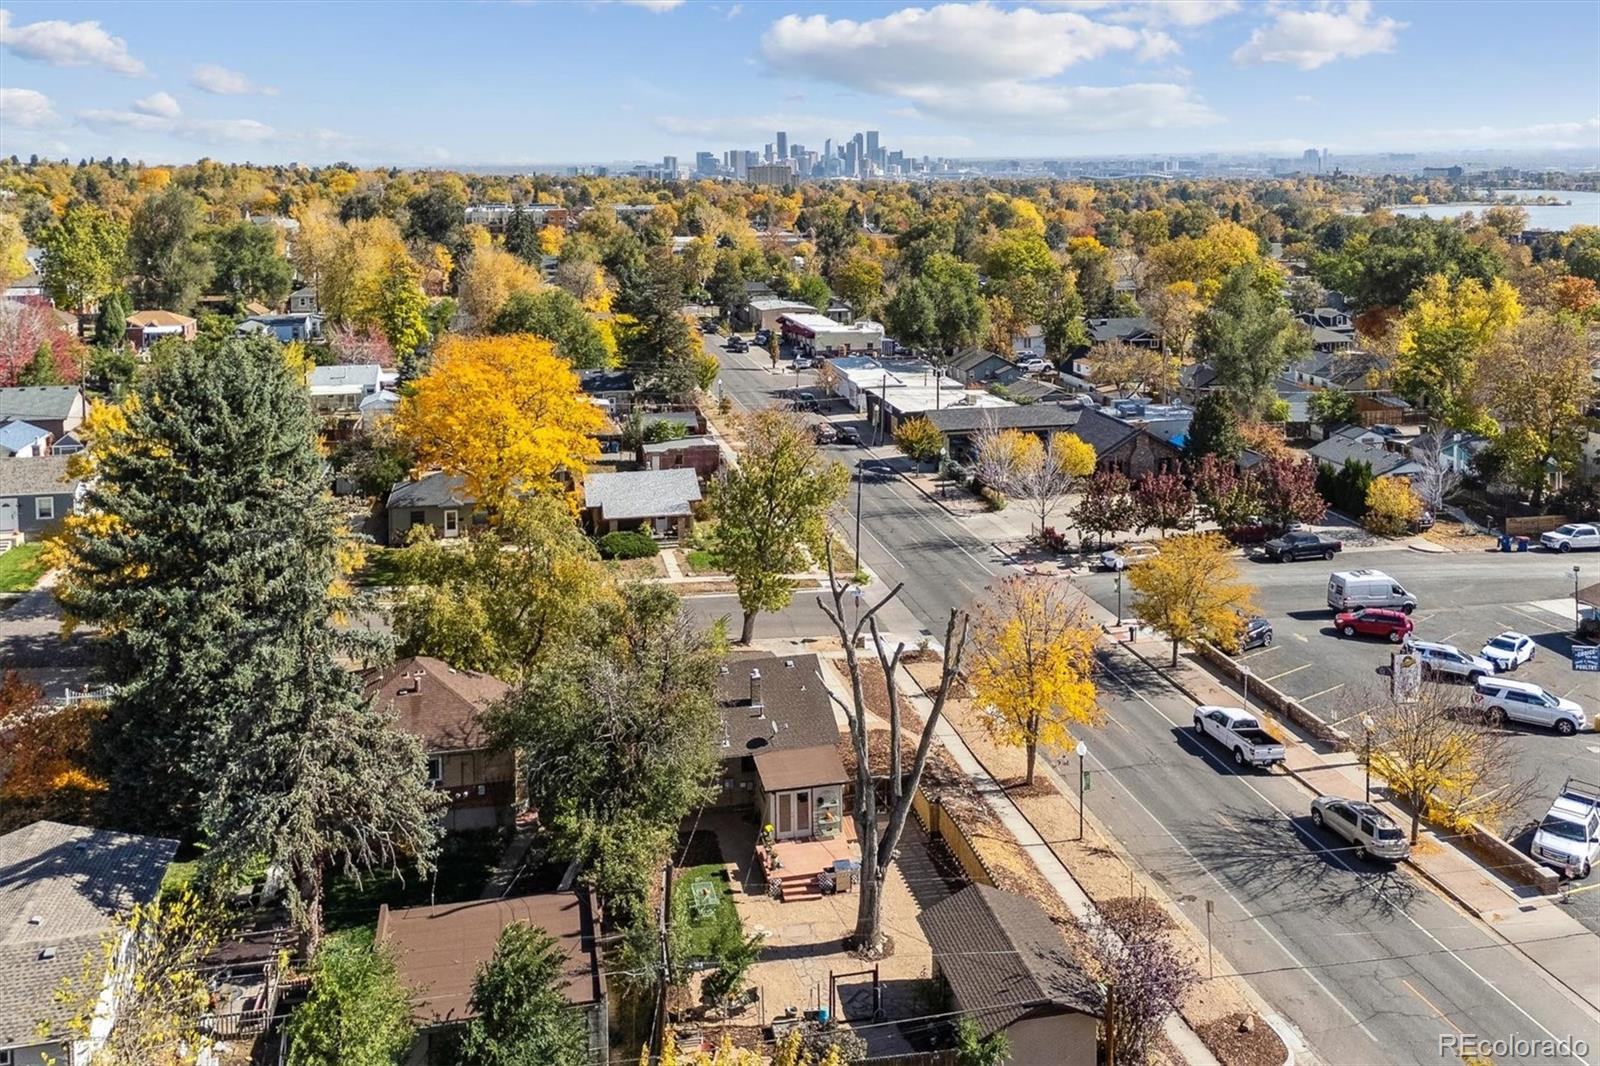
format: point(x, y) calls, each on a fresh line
point(1522, 544)
point(1505, 543)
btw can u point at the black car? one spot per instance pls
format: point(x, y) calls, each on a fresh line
point(848, 435)
point(805, 401)
point(737, 344)
point(1293, 546)
point(1255, 633)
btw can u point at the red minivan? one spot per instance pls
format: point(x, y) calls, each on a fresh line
point(1373, 622)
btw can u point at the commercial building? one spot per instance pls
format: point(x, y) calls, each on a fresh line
point(777, 174)
point(817, 334)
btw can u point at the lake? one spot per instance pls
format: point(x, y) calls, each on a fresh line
point(1584, 209)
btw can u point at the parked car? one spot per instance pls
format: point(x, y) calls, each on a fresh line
point(1350, 589)
point(1568, 838)
point(848, 435)
point(1509, 650)
point(1520, 701)
point(1447, 660)
point(1423, 522)
point(824, 433)
point(1255, 633)
point(1292, 546)
point(1033, 364)
point(1372, 832)
point(708, 325)
point(762, 337)
point(737, 344)
point(1373, 622)
point(805, 401)
point(1240, 733)
point(806, 362)
point(1125, 556)
point(1571, 537)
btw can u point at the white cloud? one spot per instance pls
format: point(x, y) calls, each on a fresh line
point(657, 6)
point(1584, 133)
point(1310, 38)
point(25, 109)
point(220, 81)
point(68, 44)
point(203, 130)
point(981, 63)
point(1302, 98)
point(162, 105)
point(1158, 12)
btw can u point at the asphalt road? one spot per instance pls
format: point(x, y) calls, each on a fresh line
point(1365, 962)
point(1463, 599)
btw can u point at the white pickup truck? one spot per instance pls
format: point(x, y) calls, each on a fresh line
point(1569, 836)
point(1240, 733)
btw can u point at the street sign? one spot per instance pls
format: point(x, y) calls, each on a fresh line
point(1586, 657)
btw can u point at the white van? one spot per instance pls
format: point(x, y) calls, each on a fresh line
point(1350, 589)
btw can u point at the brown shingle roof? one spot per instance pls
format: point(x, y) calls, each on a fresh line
point(436, 702)
point(781, 771)
point(438, 949)
point(158, 317)
point(1003, 957)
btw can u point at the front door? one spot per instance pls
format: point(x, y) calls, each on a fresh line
point(793, 820)
point(452, 523)
point(8, 516)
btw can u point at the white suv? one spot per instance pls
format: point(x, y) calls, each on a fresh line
point(1447, 660)
point(1569, 836)
point(1520, 701)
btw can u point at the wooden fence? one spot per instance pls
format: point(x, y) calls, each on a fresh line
point(937, 822)
point(1533, 525)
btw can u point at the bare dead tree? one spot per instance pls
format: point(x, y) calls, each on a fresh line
point(878, 849)
point(1438, 479)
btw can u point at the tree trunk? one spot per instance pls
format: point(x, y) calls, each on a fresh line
point(748, 632)
point(1174, 649)
point(869, 909)
point(1416, 818)
point(309, 885)
point(1033, 752)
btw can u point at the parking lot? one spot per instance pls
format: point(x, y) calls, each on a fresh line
point(1463, 599)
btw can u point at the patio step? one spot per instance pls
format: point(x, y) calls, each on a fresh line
point(799, 886)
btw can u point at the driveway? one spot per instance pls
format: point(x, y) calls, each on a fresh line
point(31, 643)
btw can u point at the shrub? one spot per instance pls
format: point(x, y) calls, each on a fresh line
point(994, 498)
point(1052, 539)
point(629, 544)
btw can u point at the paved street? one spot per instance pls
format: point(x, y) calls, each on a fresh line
point(1368, 964)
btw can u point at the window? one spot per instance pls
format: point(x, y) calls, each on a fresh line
point(435, 776)
point(5, 1057)
point(44, 509)
point(419, 518)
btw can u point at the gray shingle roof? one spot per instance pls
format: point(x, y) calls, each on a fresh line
point(1336, 449)
point(1003, 957)
point(636, 494)
point(1111, 329)
point(436, 489)
point(59, 887)
point(38, 401)
point(795, 711)
point(44, 475)
point(1037, 416)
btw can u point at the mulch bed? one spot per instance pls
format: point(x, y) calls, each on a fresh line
point(1124, 911)
point(1042, 786)
point(1234, 1046)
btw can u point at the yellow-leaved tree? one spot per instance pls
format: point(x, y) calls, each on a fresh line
point(505, 414)
point(1438, 342)
point(489, 278)
point(1192, 591)
point(1033, 665)
point(1392, 506)
point(104, 432)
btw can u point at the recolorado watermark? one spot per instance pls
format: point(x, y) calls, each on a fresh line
point(1460, 1045)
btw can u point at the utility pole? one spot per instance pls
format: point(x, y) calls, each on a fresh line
point(659, 1036)
point(861, 474)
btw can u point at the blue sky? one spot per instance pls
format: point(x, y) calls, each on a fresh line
point(511, 83)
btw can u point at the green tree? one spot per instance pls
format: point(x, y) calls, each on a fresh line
point(617, 740)
point(358, 1013)
point(248, 266)
point(168, 261)
point(975, 1049)
point(771, 511)
point(1537, 381)
point(1213, 431)
point(812, 289)
point(658, 345)
point(857, 278)
point(522, 236)
point(522, 1016)
point(1249, 338)
point(1331, 408)
point(911, 315)
point(558, 317)
point(111, 321)
point(41, 369)
point(83, 255)
point(401, 307)
point(1384, 267)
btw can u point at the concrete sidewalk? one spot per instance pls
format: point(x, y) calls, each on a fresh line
point(1536, 925)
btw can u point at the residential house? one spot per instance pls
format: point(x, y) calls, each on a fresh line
point(701, 454)
point(22, 440)
point(610, 389)
point(443, 708)
point(1458, 448)
point(437, 500)
point(1362, 445)
point(438, 951)
point(61, 889)
point(26, 288)
point(377, 405)
point(658, 501)
point(813, 334)
point(60, 409)
point(762, 311)
point(840, 311)
point(1120, 443)
point(1136, 331)
point(1009, 969)
point(1331, 318)
point(341, 389)
point(779, 745)
point(36, 494)
point(66, 444)
point(284, 328)
point(146, 327)
point(303, 301)
point(979, 366)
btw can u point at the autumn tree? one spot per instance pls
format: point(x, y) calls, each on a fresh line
point(1142, 974)
point(83, 256)
point(169, 263)
point(1285, 490)
point(357, 1014)
point(1538, 384)
point(520, 1013)
point(1249, 337)
point(504, 413)
point(399, 307)
point(858, 280)
point(1444, 331)
point(13, 250)
point(920, 439)
point(45, 758)
point(246, 264)
point(489, 279)
point(878, 842)
point(1174, 311)
point(1107, 505)
point(1132, 370)
point(1165, 500)
point(1392, 507)
point(517, 594)
point(771, 510)
point(1192, 591)
point(1023, 468)
point(1033, 658)
point(1229, 498)
point(1447, 762)
point(1437, 477)
point(558, 317)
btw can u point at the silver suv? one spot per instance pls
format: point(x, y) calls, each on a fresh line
point(1520, 701)
point(1447, 660)
point(1372, 832)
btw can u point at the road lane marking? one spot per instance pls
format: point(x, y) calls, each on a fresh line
point(1442, 1015)
point(1293, 670)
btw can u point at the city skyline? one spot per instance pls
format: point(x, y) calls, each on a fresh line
point(513, 84)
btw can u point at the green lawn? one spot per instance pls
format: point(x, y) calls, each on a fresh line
point(21, 568)
point(699, 934)
point(464, 863)
point(382, 568)
point(702, 561)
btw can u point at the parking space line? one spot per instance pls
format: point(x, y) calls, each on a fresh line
point(1324, 692)
point(1292, 670)
point(1302, 638)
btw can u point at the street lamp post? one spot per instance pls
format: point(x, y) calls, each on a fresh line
point(860, 479)
point(1577, 618)
point(1366, 727)
point(1119, 596)
point(1244, 676)
point(1083, 750)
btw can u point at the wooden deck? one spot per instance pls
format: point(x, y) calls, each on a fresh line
point(803, 860)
